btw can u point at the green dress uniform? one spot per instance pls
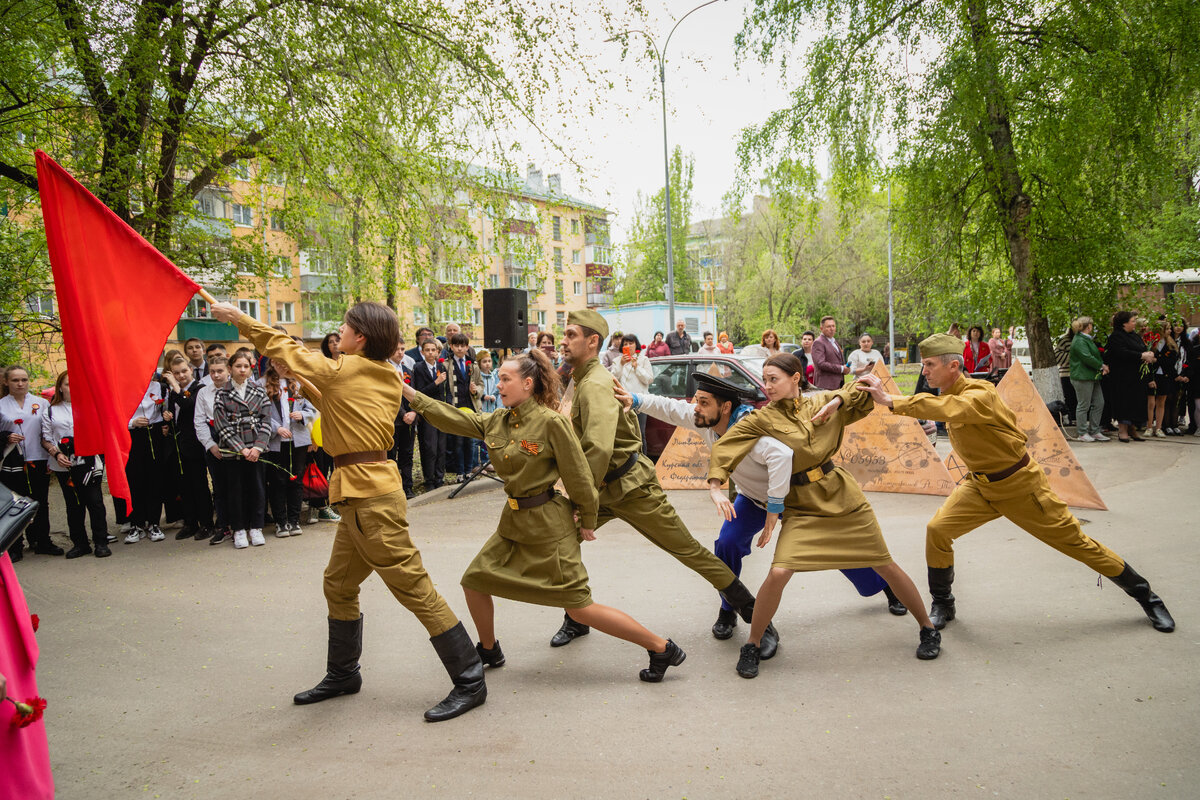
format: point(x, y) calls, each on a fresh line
point(827, 522)
point(985, 434)
point(534, 555)
point(628, 486)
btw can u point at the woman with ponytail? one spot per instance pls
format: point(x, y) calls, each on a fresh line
point(534, 555)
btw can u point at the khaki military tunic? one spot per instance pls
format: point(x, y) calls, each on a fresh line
point(359, 402)
point(610, 437)
point(827, 524)
point(534, 554)
point(985, 434)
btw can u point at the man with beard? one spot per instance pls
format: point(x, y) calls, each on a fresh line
point(762, 480)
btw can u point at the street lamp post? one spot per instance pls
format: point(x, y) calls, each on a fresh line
point(891, 306)
point(662, 81)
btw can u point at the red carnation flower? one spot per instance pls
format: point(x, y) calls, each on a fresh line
point(158, 401)
point(441, 360)
point(19, 421)
point(64, 440)
point(28, 712)
point(33, 618)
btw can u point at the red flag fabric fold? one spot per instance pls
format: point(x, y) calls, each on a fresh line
point(118, 300)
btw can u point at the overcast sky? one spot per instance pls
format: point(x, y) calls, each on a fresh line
point(709, 101)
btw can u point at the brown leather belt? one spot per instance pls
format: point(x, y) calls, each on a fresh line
point(361, 457)
point(531, 502)
point(805, 477)
point(992, 477)
point(621, 470)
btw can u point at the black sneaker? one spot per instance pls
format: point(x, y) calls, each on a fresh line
point(203, 533)
point(673, 656)
point(747, 665)
point(219, 537)
point(186, 532)
point(931, 644)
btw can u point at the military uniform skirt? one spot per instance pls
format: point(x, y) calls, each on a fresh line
point(533, 557)
point(829, 525)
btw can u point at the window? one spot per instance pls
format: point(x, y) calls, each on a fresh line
point(454, 273)
point(575, 228)
point(241, 169)
point(493, 281)
point(283, 266)
point(556, 224)
point(243, 216)
point(206, 205)
point(248, 307)
point(670, 380)
point(515, 281)
point(576, 256)
point(541, 318)
point(276, 221)
point(324, 307)
point(578, 287)
point(558, 292)
point(558, 262)
point(560, 318)
point(453, 311)
point(41, 304)
point(196, 309)
point(419, 317)
point(477, 316)
point(285, 312)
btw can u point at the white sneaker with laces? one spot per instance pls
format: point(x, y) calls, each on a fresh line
point(1087, 437)
point(296, 529)
point(134, 535)
point(1159, 433)
point(156, 535)
point(239, 540)
point(282, 531)
point(1100, 437)
point(256, 537)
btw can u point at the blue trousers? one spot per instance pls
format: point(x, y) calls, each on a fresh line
point(734, 542)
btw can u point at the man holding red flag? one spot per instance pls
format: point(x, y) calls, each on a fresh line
point(118, 301)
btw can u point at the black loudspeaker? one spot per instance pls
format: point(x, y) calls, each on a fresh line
point(504, 318)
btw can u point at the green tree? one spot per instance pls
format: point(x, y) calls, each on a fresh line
point(1033, 139)
point(646, 277)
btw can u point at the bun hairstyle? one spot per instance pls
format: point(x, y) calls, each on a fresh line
point(789, 364)
point(536, 365)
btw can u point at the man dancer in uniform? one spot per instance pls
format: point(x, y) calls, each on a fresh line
point(629, 489)
point(1004, 481)
point(359, 397)
point(763, 480)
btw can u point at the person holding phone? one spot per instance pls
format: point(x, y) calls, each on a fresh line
point(631, 370)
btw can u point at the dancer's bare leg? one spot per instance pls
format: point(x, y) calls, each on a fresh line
point(907, 591)
point(766, 602)
point(617, 623)
point(483, 612)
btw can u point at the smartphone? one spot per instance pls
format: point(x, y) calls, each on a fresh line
point(627, 350)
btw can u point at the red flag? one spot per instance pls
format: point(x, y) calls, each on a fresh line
point(118, 299)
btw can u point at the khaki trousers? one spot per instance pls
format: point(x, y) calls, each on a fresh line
point(1025, 499)
point(373, 537)
point(646, 509)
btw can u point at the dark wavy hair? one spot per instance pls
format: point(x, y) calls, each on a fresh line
point(1120, 318)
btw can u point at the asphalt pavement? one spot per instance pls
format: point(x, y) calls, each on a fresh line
point(169, 669)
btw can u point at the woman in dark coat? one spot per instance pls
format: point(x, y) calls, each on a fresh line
point(1125, 352)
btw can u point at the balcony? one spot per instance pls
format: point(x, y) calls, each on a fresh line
point(597, 254)
point(600, 299)
point(317, 329)
point(210, 330)
point(319, 283)
point(517, 264)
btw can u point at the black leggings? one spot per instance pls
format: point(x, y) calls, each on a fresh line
point(30, 481)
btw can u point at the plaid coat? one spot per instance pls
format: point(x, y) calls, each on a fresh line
point(240, 423)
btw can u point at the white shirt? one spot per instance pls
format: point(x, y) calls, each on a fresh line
point(860, 359)
point(204, 414)
point(149, 408)
point(764, 476)
point(30, 413)
point(634, 376)
point(709, 350)
point(58, 423)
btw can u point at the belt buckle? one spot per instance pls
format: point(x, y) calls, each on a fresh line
point(512, 503)
point(815, 474)
point(982, 477)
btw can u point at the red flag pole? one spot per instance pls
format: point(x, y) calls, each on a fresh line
point(208, 298)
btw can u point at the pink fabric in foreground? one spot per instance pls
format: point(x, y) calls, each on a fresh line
point(24, 754)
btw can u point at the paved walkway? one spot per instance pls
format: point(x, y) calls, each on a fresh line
point(170, 667)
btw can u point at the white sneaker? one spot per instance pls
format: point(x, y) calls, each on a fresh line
point(1159, 433)
point(156, 535)
point(282, 531)
point(1087, 437)
point(239, 540)
point(134, 535)
point(1100, 437)
point(111, 538)
point(296, 529)
point(256, 537)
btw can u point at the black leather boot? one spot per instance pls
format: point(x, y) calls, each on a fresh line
point(738, 596)
point(1138, 588)
point(726, 621)
point(341, 670)
point(673, 656)
point(569, 630)
point(493, 657)
point(931, 644)
point(769, 644)
point(462, 663)
point(942, 609)
point(894, 604)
